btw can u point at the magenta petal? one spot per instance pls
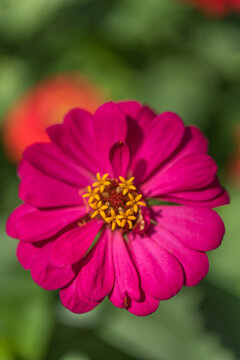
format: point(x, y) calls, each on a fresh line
point(160, 141)
point(126, 276)
point(76, 303)
point(194, 263)
point(119, 158)
point(145, 116)
point(161, 274)
point(38, 225)
point(76, 139)
point(46, 274)
point(48, 159)
point(198, 228)
point(110, 126)
point(130, 108)
point(193, 142)
point(96, 276)
point(25, 169)
point(73, 244)
point(26, 253)
point(222, 199)
point(210, 196)
point(146, 307)
point(189, 173)
point(43, 191)
point(13, 218)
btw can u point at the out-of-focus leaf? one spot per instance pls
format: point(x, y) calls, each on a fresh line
point(136, 22)
point(13, 20)
point(26, 316)
point(175, 331)
point(105, 71)
point(75, 356)
point(222, 316)
point(14, 77)
point(218, 43)
point(83, 342)
point(184, 85)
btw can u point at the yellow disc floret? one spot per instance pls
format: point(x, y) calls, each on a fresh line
point(102, 182)
point(92, 194)
point(114, 219)
point(127, 185)
point(99, 209)
point(134, 202)
point(126, 217)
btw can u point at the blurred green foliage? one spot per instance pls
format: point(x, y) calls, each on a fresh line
point(168, 55)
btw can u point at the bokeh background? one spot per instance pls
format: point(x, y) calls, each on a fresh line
point(59, 54)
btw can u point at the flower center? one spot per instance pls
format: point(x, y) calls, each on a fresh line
point(115, 201)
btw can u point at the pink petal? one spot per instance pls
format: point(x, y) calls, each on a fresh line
point(136, 128)
point(96, 276)
point(76, 139)
point(126, 276)
point(222, 199)
point(198, 228)
point(13, 218)
point(25, 169)
point(26, 253)
point(194, 263)
point(110, 126)
point(48, 159)
point(189, 173)
point(146, 307)
point(211, 196)
point(140, 113)
point(161, 274)
point(193, 142)
point(76, 303)
point(36, 225)
point(119, 158)
point(161, 139)
point(145, 117)
point(73, 244)
point(46, 274)
point(39, 190)
point(130, 108)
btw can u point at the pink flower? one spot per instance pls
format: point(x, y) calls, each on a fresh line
point(94, 181)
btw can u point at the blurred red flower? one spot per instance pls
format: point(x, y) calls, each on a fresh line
point(218, 7)
point(43, 105)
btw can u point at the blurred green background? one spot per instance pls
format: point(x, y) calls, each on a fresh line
point(172, 57)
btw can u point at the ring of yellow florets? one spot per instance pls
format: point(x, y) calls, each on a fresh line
point(116, 201)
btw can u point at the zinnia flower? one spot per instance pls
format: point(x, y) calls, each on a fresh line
point(86, 226)
point(44, 105)
point(217, 7)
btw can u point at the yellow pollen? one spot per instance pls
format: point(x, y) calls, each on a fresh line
point(92, 194)
point(134, 202)
point(99, 209)
point(101, 183)
point(127, 185)
point(115, 201)
point(126, 217)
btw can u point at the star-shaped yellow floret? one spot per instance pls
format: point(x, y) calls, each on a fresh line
point(114, 219)
point(99, 209)
point(102, 182)
point(126, 185)
point(134, 202)
point(92, 194)
point(126, 217)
